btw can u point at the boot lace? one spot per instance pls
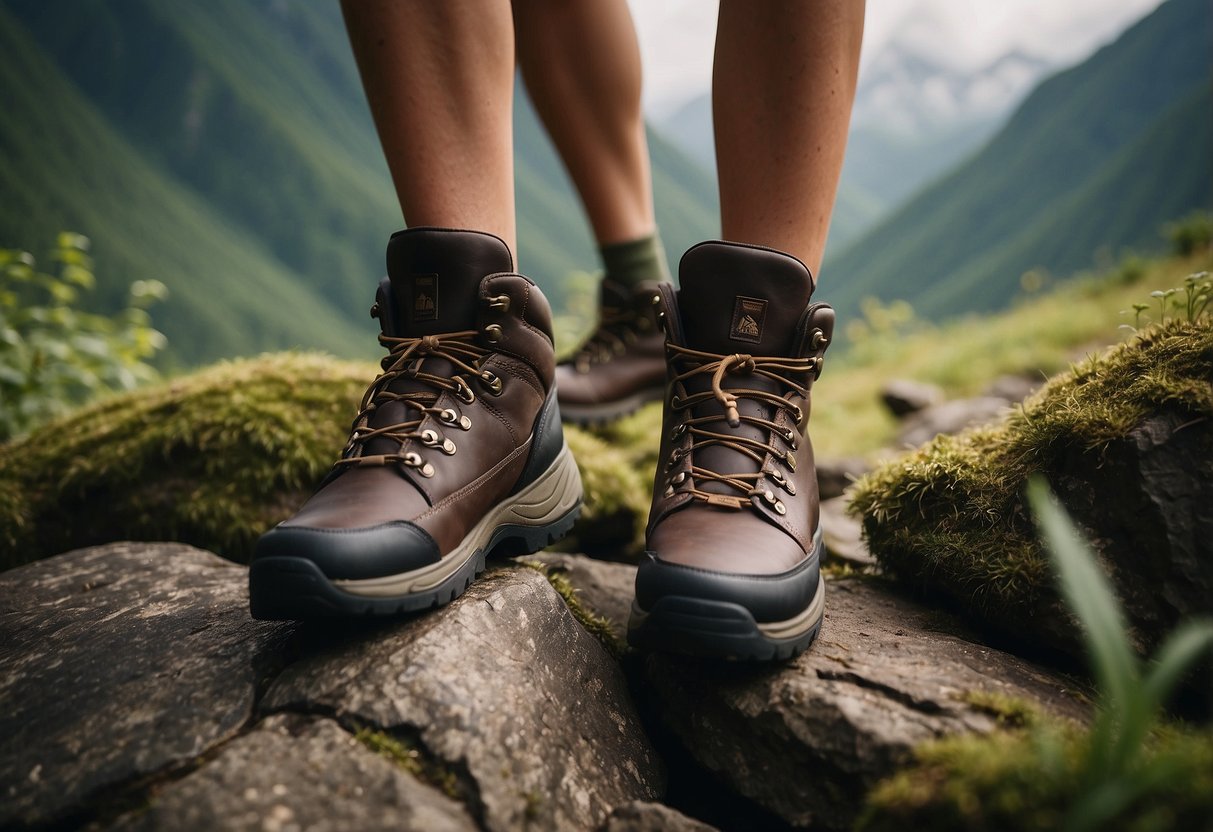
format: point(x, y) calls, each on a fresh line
point(792, 377)
point(406, 359)
point(618, 329)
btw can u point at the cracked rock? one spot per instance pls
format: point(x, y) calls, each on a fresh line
point(808, 738)
point(606, 587)
point(296, 772)
point(505, 689)
point(119, 661)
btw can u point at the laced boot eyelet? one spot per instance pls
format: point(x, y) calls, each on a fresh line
point(492, 382)
point(492, 333)
point(448, 447)
point(413, 460)
point(499, 302)
point(463, 392)
point(679, 478)
point(449, 417)
point(774, 502)
point(789, 459)
point(677, 432)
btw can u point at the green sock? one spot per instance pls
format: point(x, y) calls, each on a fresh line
point(635, 261)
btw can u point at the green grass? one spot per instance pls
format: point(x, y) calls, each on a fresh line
point(1038, 337)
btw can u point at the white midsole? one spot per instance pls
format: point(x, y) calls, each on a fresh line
point(547, 499)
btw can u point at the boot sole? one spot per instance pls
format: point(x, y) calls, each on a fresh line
point(596, 415)
point(723, 630)
point(287, 588)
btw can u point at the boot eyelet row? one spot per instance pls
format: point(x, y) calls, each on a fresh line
point(783, 482)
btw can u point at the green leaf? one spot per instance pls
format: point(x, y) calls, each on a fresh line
point(1089, 594)
point(1174, 658)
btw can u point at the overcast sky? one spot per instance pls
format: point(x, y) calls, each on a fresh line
point(676, 36)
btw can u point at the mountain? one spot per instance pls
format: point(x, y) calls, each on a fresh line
point(254, 110)
point(65, 167)
point(1095, 159)
point(915, 117)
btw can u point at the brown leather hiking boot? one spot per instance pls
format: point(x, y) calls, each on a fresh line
point(733, 543)
point(621, 366)
point(457, 450)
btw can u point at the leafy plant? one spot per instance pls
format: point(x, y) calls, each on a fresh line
point(1189, 302)
point(1192, 234)
point(1117, 769)
point(54, 355)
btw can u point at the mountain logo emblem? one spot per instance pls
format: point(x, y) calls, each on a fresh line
point(425, 297)
point(748, 317)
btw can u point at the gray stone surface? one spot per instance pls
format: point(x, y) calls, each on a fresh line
point(951, 417)
point(296, 772)
point(639, 816)
point(835, 474)
point(117, 662)
point(1147, 504)
point(606, 587)
point(505, 687)
point(132, 672)
point(843, 534)
point(808, 738)
point(1013, 388)
point(903, 396)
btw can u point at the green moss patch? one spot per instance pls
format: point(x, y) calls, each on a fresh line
point(949, 517)
point(217, 457)
point(1034, 779)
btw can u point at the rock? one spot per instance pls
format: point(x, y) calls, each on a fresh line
point(1013, 389)
point(843, 534)
point(605, 587)
point(807, 739)
point(119, 662)
point(299, 772)
point(950, 418)
point(133, 671)
point(1145, 501)
point(903, 396)
point(639, 816)
point(834, 475)
point(504, 688)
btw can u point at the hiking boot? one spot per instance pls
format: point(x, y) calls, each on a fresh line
point(457, 450)
point(621, 366)
point(733, 546)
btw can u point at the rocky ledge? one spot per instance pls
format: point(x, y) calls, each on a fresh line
point(138, 693)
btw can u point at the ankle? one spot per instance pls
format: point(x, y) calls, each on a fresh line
point(633, 262)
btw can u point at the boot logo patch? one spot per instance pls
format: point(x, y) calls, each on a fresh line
point(748, 315)
point(425, 297)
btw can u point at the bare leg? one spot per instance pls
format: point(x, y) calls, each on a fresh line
point(581, 64)
point(439, 78)
point(782, 88)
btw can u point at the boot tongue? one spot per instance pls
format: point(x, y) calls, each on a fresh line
point(739, 299)
point(742, 299)
point(435, 275)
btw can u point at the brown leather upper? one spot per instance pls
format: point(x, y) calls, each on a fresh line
point(624, 355)
point(719, 486)
point(498, 324)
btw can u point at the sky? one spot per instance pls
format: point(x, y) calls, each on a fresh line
point(676, 36)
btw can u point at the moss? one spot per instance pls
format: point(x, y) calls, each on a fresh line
point(1010, 711)
point(949, 517)
point(1030, 780)
point(408, 757)
point(216, 457)
point(596, 625)
point(617, 496)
